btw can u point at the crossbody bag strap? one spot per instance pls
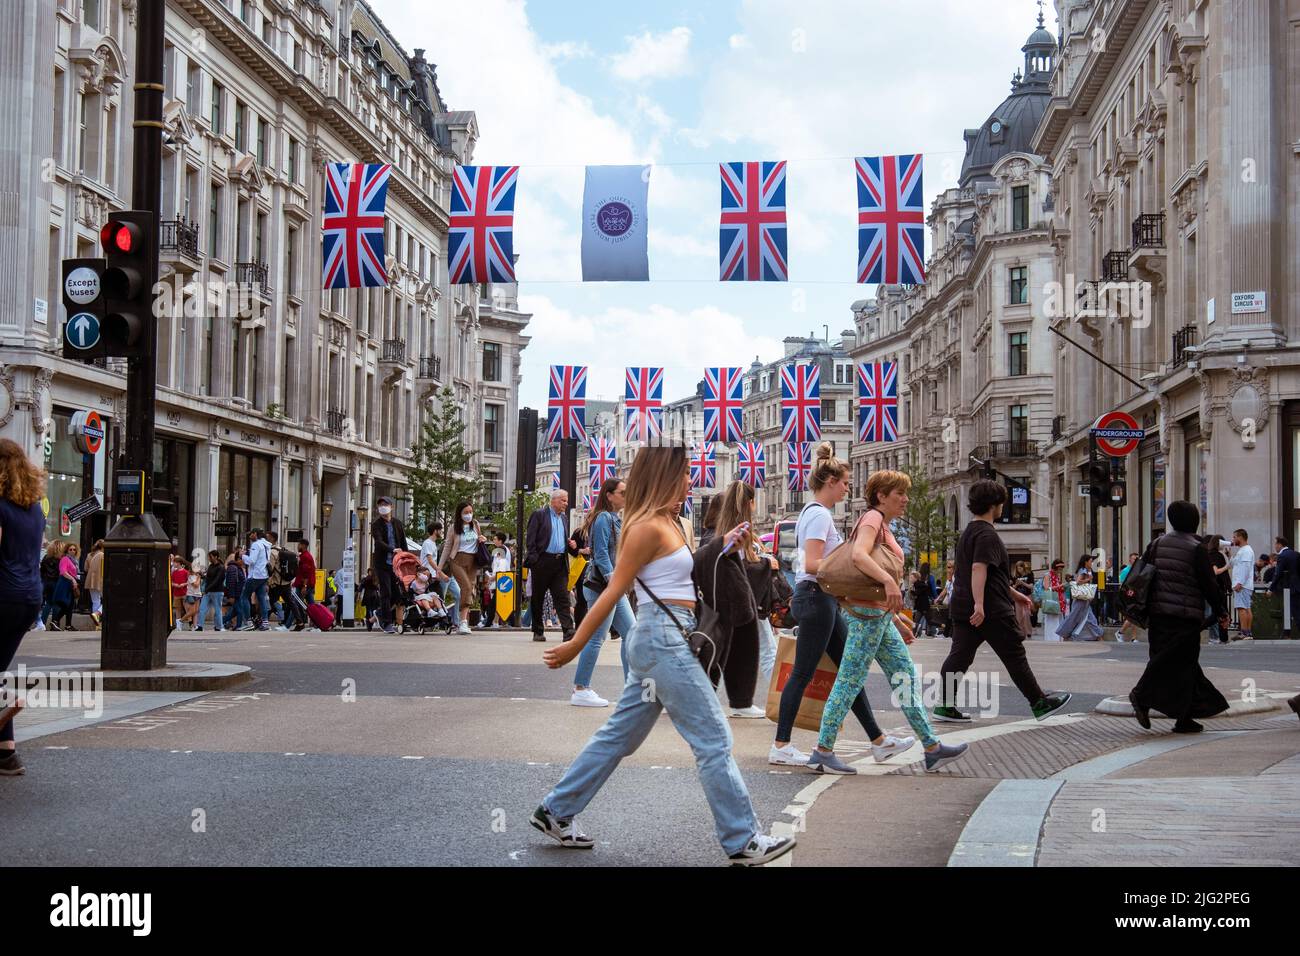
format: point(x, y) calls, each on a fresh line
point(664, 607)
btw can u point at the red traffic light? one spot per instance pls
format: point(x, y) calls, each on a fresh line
point(118, 236)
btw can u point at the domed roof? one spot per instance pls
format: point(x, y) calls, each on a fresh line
point(1040, 38)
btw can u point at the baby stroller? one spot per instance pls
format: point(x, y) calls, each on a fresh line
point(422, 610)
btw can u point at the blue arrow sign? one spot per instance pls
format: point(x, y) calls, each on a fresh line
point(83, 330)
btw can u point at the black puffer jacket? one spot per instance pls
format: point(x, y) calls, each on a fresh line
point(722, 578)
point(1184, 579)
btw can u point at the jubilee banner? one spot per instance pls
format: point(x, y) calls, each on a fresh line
point(614, 233)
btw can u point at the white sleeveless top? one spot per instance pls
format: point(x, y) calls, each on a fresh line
point(668, 577)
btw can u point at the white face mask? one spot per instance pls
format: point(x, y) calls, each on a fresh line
point(469, 517)
point(385, 510)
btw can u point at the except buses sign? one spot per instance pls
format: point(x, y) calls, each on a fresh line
point(1117, 433)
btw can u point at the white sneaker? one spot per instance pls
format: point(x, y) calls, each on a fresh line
point(750, 711)
point(40, 625)
point(464, 628)
point(787, 756)
point(892, 745)
point(587, 698)
point(762, 849)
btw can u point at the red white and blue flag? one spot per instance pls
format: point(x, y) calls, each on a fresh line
point(643, 403)
point(891, 219)
point(704, 466)
point(603, 461)
point(878, 402)
point(752, 466)
point(801, 403)
point(687, 507)
point(586, 501)
point(555, 481)
point(566, 410)
point(480, 239)
point(724, 401)
point(799, 455)
point(352, 229)
point(752, 231)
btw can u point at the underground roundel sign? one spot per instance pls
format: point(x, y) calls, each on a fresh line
point(93, 430)
point(1117, 433)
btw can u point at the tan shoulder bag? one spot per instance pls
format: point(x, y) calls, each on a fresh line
point(839, 577)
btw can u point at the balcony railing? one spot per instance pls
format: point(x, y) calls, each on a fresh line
point(431, 368)
point(179, 237)
point(334, 421)
point(1114, 266)
point(1182, 338)
point(1058, 427)
point(394, 350)
point(1016, 448)
point(1149, 231)
point(254, 274)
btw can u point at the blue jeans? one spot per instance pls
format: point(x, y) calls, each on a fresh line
point(663, 674)
point(210, 600)
point(239, 612)
point(257, 586)
point(766, 653)
point(451, 601)
point(620, 617)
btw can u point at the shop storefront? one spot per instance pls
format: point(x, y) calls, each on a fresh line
point(173, 490)
point(243, 493)
point(72, 479)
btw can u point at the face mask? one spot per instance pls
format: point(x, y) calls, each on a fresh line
point(385, 510)
point(423, 579)
point(469, 517)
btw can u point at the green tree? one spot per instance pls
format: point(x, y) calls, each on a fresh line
point(505, 519)
point(442, 476)
point(927, 521)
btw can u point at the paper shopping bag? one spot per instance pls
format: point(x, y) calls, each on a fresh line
point(809, 716)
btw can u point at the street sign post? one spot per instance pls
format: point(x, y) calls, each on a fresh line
point(83, 306)
point(83, 509)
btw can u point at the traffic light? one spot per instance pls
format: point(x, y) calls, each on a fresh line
point(83, 305)
point(129, 240)
point(1097, 474)
point(1118, 494)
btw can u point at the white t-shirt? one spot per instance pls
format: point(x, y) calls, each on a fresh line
point(816, 523)
point(429, 554)
point(1243, 567)
point(500, 560)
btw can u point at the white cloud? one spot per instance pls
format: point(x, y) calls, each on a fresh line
point(567, 50)
point(738, 41)
point(654, 56)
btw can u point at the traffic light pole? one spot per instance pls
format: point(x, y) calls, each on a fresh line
point(137, 607)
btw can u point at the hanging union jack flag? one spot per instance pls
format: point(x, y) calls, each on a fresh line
point(603, 461)
point(704, 466)
point(724, 400)
point(643, 400)
point(566, 410)
point(555, 481)
point(878, 402)
point(352, 228)
point(752, 232)
point(480, 239)
point(801, 403)
point(799, 455)
point(586, 501)
point(891, 219)
point(752, 467)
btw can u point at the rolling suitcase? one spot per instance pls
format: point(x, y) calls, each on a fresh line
point(321, 616)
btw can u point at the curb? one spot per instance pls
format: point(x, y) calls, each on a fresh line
point(1119, 706)
point(180, 678)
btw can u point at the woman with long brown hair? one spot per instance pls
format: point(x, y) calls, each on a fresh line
point(739, 665)
point(602, 529)
point(22, 525)
point(663, 673)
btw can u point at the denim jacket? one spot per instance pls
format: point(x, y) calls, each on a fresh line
point(604, 538)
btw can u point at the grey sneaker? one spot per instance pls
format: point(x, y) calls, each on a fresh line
point(821, 762)
point(762, 849)
point(563, 832)
point(11, 766)
point(934, 759)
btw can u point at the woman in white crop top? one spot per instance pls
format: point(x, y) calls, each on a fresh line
point(663, 674)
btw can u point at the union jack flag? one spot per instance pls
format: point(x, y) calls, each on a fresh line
point(752, 467)
point(687, 507)
point(724, 400)
point(643, 401)
point(704, 466)
point(752, 233)
point(603, 461)
point(586, 501)
point(352, 228)
point(878, 402)
point(799, 454)
point(555, 481)
point(480, 239)
point(566, 410)
point(801, 404)
point(891, 219)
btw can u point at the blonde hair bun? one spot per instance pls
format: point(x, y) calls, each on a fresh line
point(825, 450)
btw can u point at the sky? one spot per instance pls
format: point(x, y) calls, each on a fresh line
point(560, 84)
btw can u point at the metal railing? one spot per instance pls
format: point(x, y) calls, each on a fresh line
point(1114, 266)
point(179, 236)
point(1149, 231)
point(1182, 338)
point(1058, 427)
point(394, 350)
point(334, 421)
point(254, 274)
point(1017, 448)
point(431, 368)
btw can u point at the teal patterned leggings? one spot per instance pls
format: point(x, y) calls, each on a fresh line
point(875, 638)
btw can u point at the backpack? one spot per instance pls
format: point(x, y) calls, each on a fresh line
point(288, 565)
point(1134, 600)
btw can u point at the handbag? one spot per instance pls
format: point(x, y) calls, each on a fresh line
point(839, 577)
point(483, 556)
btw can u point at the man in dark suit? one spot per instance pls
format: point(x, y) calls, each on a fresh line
point(1287, 575)
point(549, 543)
point(386, 536)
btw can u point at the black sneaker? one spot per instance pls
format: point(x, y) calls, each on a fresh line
point(1294, 704)
point(11, 766)
point(1187, 726)
point(950, 715)
point(563, 832)
point(539, 637)
point(762, 849)
point(1050, 705)
point(1142, 715)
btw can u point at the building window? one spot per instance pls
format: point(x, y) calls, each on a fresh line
point(491, 427)
point(1019, 353)
point(491, 362)
point(261, 141)
point(1019, 207)
point(1017, 510)
point(1019, 420)
point(214, 223)
point(241, 124)
point(90, 13)
point(828, 410)
point(293, 160)
point(291, 262)
point(218, 93)
point(1019, 285)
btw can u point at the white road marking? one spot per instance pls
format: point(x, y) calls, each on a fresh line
point(516, 854)
point(300, 754)
point(55, 748)
point(412, 758)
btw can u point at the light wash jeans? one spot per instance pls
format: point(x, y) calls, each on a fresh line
point(451, 602)
point(212, 600)
point(766, 654)
point(663, 674)
point(621, 617)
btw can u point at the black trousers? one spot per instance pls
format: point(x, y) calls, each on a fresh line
point(1001, 634)
point(1173, 682)
point(551, 573)
point(390, 589)
point(579, 604)
point(15, 619)
point(738, 665)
